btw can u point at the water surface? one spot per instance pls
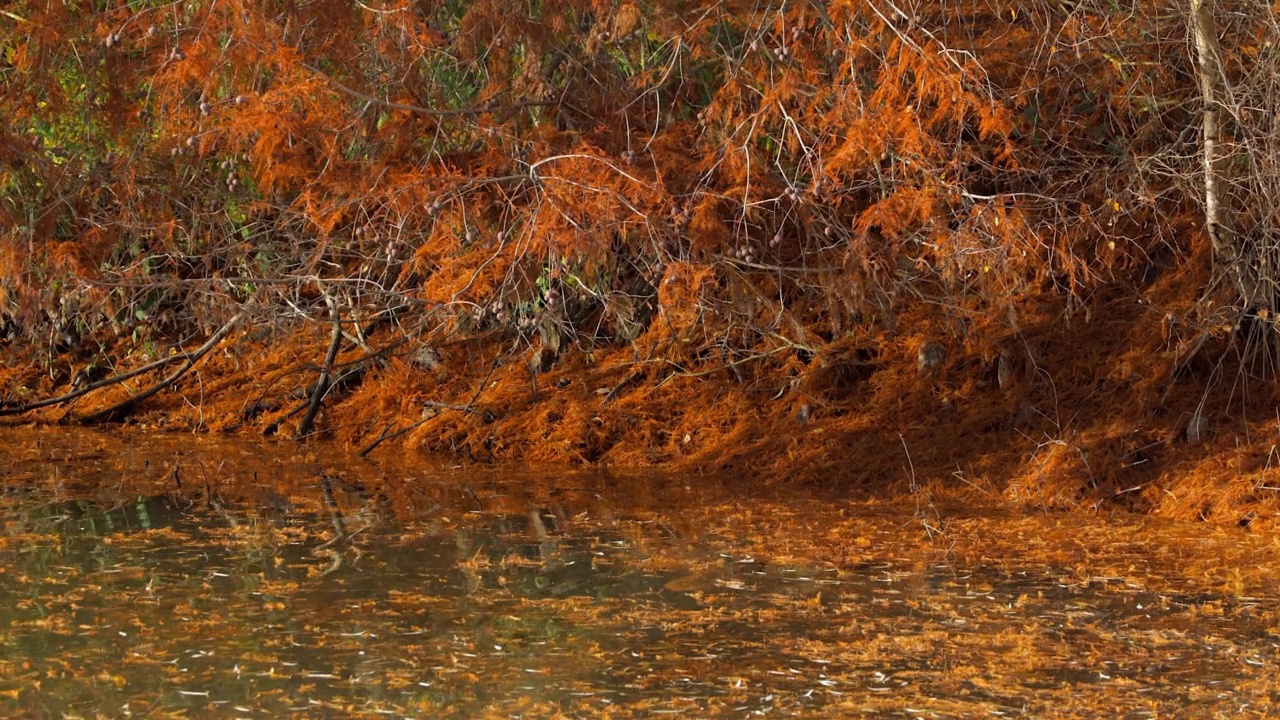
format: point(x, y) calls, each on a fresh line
point(166, 576)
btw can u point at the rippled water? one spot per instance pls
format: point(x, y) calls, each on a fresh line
point(163, 576)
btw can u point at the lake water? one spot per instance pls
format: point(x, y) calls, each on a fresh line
point(170, 576)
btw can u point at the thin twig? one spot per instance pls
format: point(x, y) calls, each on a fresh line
point(501, 110)
point(385, 436)
point(682, 373)
point(468, 408)
point(378, 440)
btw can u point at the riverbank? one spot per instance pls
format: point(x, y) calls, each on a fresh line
point(1081, 407)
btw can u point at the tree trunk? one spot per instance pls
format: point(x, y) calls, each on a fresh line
point(1227, 251)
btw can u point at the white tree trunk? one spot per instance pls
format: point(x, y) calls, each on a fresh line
point(1213, 90)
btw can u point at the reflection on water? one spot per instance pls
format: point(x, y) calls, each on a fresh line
point(205, 584)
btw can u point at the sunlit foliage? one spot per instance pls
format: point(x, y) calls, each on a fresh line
point(555, 166)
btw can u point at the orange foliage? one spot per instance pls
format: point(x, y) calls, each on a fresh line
point(711, 215)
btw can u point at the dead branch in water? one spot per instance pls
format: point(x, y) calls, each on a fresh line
point(120, 409)
point(105, 382)
point(322, 384)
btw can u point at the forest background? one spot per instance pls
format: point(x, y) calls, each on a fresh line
point(1024, 251)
